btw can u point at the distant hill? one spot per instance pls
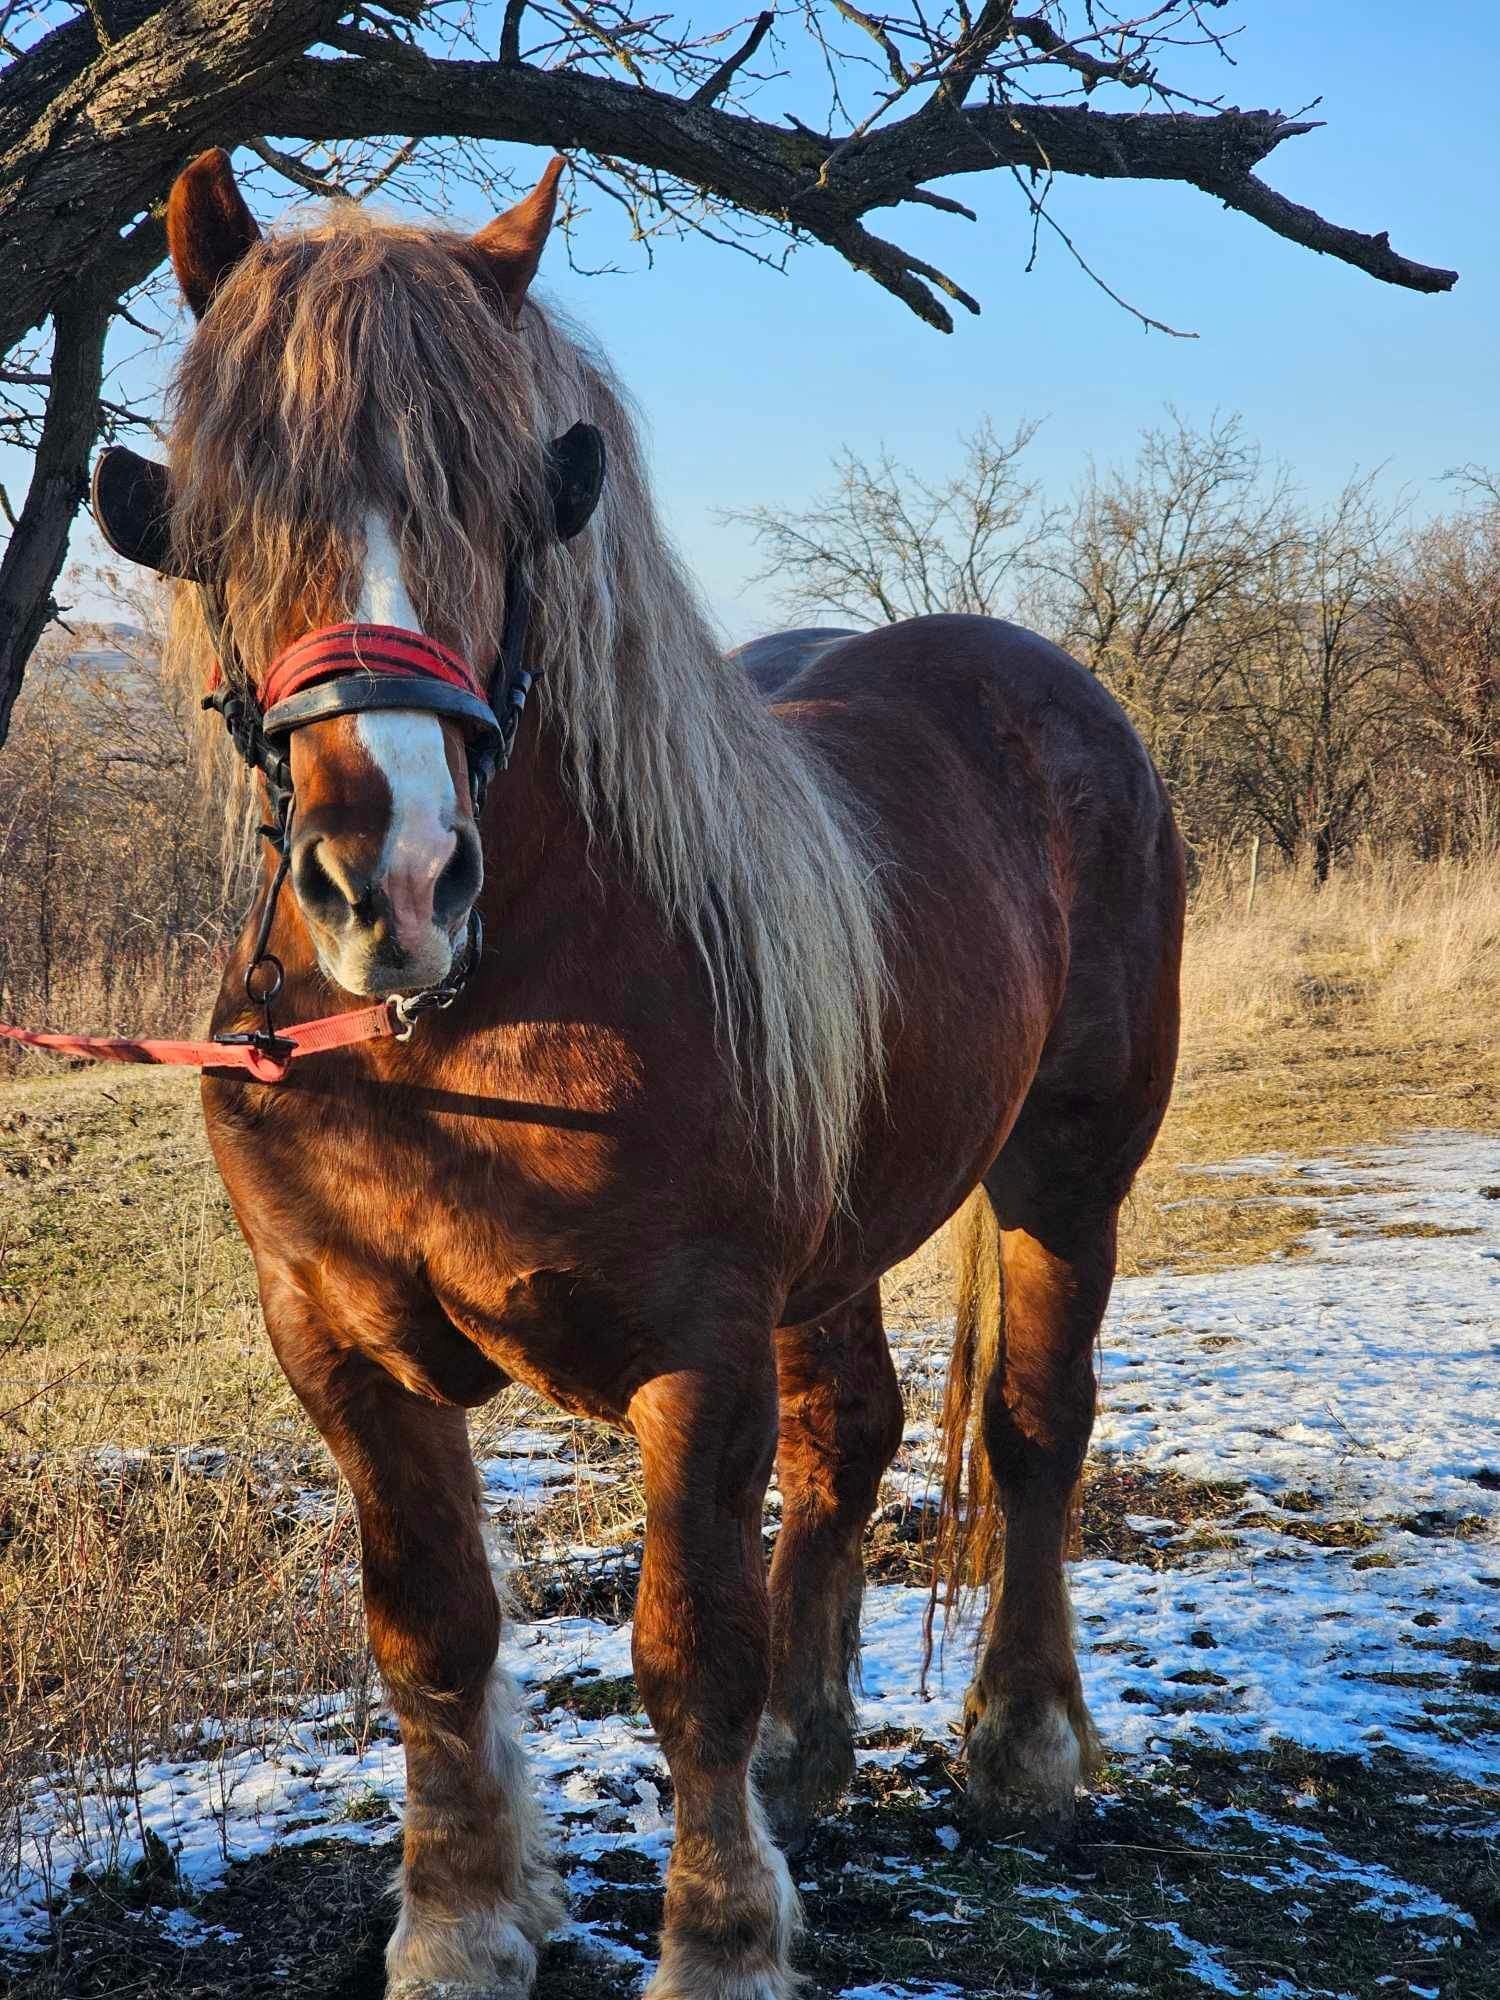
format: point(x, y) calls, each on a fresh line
point(113, 648)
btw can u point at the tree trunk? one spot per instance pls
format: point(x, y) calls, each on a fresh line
point(1323, 853)
point(34, 555)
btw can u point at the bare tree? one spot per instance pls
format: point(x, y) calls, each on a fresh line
point(1317, 705)
point(1155, 582)
point(655, 110)
point(883, 544)
point(1246, 634)
point(111, 873)
point(1443, 615)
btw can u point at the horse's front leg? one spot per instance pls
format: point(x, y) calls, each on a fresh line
point(477, 1896)
point(702, 1660)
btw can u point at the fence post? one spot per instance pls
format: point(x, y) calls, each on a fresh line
point(1254, 874)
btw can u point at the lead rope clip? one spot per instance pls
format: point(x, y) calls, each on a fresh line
point(408, 1008)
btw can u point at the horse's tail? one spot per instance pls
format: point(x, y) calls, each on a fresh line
point(970, 1525)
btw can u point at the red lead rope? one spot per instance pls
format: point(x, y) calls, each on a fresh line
point(310, 1038)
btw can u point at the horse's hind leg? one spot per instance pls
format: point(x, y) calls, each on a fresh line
point(841, 1422)
point(1038, 1260)
point(1029, 1730)
point(477, 1895)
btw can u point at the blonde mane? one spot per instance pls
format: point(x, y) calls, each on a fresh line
point(358, 362)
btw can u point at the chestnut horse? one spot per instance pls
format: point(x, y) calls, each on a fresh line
point(777, 978)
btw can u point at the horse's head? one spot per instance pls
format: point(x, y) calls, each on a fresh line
point(357, 458)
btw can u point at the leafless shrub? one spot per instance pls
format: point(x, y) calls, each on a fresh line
point(884, 544)
point(116, 898)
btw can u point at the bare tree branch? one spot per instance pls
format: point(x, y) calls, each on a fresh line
point(106, 146)
point(724, 75)
point(763, 169)
point(1040, 33)
point(1248, 193)
point(972, 52)
point(35, 79)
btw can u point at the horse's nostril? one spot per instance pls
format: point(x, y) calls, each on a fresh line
point(327, 885)
point(458, 885)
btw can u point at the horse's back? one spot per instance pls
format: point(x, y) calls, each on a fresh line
point(1042, 772)
point(981, 683)
point(934, 665)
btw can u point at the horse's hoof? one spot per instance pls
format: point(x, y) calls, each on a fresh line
point(708, 1981)
point(729, 1986)
point(799, 1775)
point(451, 1989)
point(1034, 1749)
point(470, 1958)
point(735, 1946)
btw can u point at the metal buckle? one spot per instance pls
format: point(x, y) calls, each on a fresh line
point(408, 1008)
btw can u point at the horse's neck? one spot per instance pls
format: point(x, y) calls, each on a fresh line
point(531, 828)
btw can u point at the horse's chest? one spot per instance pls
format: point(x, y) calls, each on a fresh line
point(418, 1191)
point(460, 1185)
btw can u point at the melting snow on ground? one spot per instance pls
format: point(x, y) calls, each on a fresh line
point(1359, 1382)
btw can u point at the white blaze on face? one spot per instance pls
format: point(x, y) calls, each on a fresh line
point(406, 747)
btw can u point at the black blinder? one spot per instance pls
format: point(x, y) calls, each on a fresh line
point(575, 478)
point(131, 499)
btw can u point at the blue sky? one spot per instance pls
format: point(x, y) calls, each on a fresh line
point(748, 381)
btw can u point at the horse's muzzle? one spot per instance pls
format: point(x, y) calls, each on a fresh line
point(383, 928)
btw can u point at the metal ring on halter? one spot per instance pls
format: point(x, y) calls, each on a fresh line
point(278, 979)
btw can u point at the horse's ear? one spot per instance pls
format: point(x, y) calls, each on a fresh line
point(209, 228)
point(512, 244)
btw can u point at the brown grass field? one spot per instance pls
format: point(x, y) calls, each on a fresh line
point(157, 1571)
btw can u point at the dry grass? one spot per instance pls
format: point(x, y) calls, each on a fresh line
point(173, 1546)
point(1389, 945)
point(1322, 1019)
point(175, 1557)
